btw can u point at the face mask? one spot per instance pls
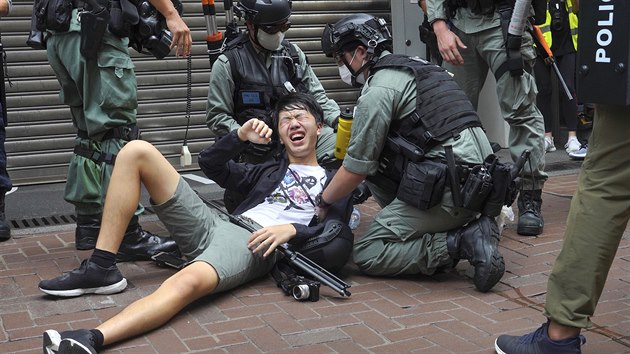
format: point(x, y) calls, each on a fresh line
point(345, 74)
point(269, 41)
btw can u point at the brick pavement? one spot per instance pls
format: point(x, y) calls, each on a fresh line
point(438, 314)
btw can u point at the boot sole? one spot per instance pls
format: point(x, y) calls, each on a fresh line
point(529, 231)
point(103, 290)
point(496, 273)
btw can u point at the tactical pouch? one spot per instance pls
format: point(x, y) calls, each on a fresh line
point(93, 27)
point(422, 184)
point(58, 15)
point(36, 38)
point(123, 15)
point(476, 189)
point(501, 181)
point(540, 11)
point(40, 13)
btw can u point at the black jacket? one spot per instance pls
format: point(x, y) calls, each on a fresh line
point(259, 181)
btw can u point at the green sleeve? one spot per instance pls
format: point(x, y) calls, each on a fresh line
point(436, 10)
point(220, 104)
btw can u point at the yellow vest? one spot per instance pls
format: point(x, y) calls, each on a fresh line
point(573, 25)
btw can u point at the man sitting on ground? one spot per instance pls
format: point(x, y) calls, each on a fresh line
point(280, 205)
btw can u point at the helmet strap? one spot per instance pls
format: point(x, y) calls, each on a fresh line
point(369, 61)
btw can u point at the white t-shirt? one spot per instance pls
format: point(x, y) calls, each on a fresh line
point(290, 203)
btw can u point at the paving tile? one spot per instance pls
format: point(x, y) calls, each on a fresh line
point(438, 314)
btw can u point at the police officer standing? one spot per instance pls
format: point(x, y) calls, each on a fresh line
point(102, 94)
point(409, 116)
point(5, 180)
point(256, 69)
point(471, 42)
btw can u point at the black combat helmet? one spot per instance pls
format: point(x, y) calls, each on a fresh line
point(361, 28)
point(264, 12)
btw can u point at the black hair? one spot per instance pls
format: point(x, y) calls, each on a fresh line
point(295, 101)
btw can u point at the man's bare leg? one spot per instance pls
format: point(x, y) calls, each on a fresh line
point(137, 163)
point(182, 288)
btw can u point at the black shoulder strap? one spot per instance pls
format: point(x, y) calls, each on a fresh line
point(294, 64)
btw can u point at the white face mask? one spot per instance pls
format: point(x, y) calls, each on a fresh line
point(346, 74)
point(270, 41)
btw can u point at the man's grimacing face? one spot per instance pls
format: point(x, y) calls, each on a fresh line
point(298, 131)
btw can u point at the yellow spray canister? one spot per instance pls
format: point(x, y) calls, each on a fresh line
point(343, 133)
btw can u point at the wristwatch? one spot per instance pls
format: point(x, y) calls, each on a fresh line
point(320, 202)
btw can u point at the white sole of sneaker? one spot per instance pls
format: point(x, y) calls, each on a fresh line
point(103, 290)
point(51, 340)
point(496, 347)
point(71, 346)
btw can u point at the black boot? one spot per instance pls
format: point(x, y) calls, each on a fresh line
point(5, 228)
point(86, 233)
point(139, 244)
point(478, 242)
point(530, 219)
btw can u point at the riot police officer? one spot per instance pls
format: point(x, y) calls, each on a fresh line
point(408, 102)
point(257, 68)
point(102, 94)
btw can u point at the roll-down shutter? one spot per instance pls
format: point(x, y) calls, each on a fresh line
point(40, 134)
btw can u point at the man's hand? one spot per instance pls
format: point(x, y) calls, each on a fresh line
point(270, 237)
point(255, 131)
point(182, 39)
point(448, 43)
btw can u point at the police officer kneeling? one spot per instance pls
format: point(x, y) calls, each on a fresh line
point(409, 116)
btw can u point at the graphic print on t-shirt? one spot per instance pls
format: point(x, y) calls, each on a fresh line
point(292, 201)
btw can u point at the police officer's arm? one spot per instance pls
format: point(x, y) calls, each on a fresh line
point(373, 116)
point(448, 42)
point(341, 185)
point(182, 40)
point(220, 103)
point(315, 88)
point(5, 7)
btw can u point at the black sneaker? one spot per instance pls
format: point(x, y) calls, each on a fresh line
point(89, 278)
point(69, 342)
point(51, 340)
point(538, 342)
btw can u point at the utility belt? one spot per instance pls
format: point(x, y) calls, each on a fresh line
point(127, 133)
point(478, 7)
point(482, 188)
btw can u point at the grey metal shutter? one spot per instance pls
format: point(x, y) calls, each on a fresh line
point(40, 134)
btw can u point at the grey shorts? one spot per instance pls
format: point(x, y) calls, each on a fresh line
point(203, 234)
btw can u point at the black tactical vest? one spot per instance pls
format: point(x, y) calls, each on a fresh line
point(442, 108)
point(257, 88)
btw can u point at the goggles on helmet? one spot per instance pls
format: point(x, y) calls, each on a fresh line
point(273, 29)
